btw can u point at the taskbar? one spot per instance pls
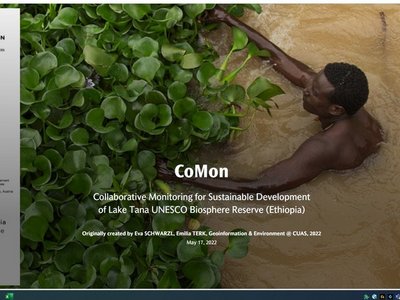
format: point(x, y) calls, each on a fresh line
point(200, 294)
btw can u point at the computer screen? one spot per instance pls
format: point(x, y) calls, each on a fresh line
point(199, 150)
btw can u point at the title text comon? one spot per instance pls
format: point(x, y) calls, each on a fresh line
point(200, 171)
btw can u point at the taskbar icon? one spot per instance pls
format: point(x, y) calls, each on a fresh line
point(9, 296)
point(381, 296)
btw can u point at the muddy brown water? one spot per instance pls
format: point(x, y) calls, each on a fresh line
point(357, 211)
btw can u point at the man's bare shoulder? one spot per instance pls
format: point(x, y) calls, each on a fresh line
point(318, 151)
point(349, 142)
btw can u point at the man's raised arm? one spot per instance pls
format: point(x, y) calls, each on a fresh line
point(295, 71)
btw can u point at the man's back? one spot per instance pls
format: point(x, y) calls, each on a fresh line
point(352, 139)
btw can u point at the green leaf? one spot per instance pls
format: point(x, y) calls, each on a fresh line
point(66, 18)
point(119, 71)
point(74, 161)
point(202, 120)
point(173, 16)
point(256, 7)
point(193, 10)
point(99, 59)
point(94, 118)
point(238, 245)
point(34, 228)
point(68, 256)
point(146, 158)
point(63, 58)
point(191, 61)
point(27, 157)
point(116, 7)
point(130, 145)
point(80, 184)
point(135, 89)
point(85, 276)
point(95, 254)
point(155, 97)
point(30, 78)
point(177, 90)
point(114, 108)
point(90, 10)
point(240, 39)
point(50, 278)
point(115, 139)
point(30, 138)
point(79, 136)
point(168, 222)
point(67, 225)
point(89, 95)
point(164, 114)
point(92, 29)
point(178, 131)
point(136, 11)
point(41, 110)
point(143, 47)
point(44, 62)
point(106, 13)
point(68, 45)
point(171, 52)
point(66, 75)
point(262, 88)
point(118, 280)
point(55, 157)
point(183, 108)
point(28, 278)
point(200, 272)
point(111, 263)
point(65, 121)
point(153, 118)
point(146, 68)
point(43, 167)
point(187, 251)
point(73, 208)
point(25, 199)
point(149, 251)
point(205, 72)
point(104, 177)
point(217, 257)
point(41, 208)
point(236, 10)
point(234, 94)
point(91, 225)
point(169, 280)
point(53, 98)
point(180, 75)
point(254, 51)
point(26, 97)
point(127, 265)
point(146, 162)
point(54, 133)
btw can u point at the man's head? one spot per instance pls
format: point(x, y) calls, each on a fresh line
point(350, 86)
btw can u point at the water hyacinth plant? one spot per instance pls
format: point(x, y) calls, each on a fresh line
point(105, 90)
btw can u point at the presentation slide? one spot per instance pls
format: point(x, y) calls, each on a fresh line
point(176, 150)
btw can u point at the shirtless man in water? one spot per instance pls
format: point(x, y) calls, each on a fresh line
point(336, 95)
